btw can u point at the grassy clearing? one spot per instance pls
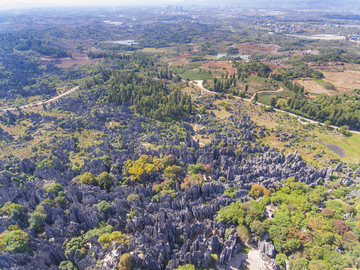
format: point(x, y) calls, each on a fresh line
point(195, 75)
point(266, 97)
point(351, 144)
point(261, 84)
point(327, 85)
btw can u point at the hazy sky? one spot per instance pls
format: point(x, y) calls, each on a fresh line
point(9, 4)
point(354, 5)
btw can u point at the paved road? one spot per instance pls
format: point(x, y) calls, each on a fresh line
point(199, 83)
point(43, 102)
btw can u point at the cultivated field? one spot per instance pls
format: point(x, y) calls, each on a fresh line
point(344, 81)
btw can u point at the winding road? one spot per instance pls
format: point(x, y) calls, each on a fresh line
point(199, 83)
point(42, 102)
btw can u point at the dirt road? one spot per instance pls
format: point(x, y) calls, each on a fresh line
point(199, 83)
point(43, 102)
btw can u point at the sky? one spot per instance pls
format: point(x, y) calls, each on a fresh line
point(20, 4)
point(354, 5)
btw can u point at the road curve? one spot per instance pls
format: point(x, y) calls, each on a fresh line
point(43, 102)
point(199, 83)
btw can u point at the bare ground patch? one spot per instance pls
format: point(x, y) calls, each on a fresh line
point(219, 65)
point(313, 87)
point(77, 59)
point(335, 148)
point(344, 81)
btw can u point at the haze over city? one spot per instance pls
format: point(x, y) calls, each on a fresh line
point(273, 4)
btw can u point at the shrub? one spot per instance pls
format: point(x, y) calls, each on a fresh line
point(131, 197)
point(327, 213)
point(231, 192)
point(87, 179)
point(132, 213)
point(318, 225)
point(194, 168)
point(340, 227)
point(232, 214)
point(168, 161)
point(206, 167)
point(257, 191)
point(36, 221)
point(281, 258)
point(103, 207)
point(15, 240)
point(214, 259)
point(115, 236)
point(228, 232)
point(189, 181)
point(318, 265)
point(53, 187)
point(186, 267)
point(144, 165)
point(125, 262)
point(67, 265)
point(299, 264)
point(100, 230)
point(16, 211)
point(257, 228)
point(243, 233)
point(105, 180)
point(173, 171)
point(60, 201)
point(350, 237)
point(75, 248)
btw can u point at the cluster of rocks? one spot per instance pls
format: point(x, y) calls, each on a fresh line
point(166, 231)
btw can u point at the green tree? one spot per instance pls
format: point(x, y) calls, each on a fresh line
point(16, 211)
point(53, 187)
point(257, 228)
point(319, 265)
point(36, 221)
point(75, 249)
point(281, 258)
point(299, 264)
point(67, 265)
point(173, 172)
point(105, 180)
point(87, 179)
point(103, 207)
point(243, 233)
point(232, 214)
point(14, 240)
point(273, 102)
point(125, 262)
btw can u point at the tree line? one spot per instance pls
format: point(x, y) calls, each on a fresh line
point(148, 96)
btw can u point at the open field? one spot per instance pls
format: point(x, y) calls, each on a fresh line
point(350, 145)
point(312, 87)
point(77, 59)
point(343, 81)
point(220, 66)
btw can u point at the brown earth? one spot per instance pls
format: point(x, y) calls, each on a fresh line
point(312, 87)
point(344, 81)
point(77, 59)
point(216, 65)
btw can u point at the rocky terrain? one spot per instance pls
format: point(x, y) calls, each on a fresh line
point(164, 231)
